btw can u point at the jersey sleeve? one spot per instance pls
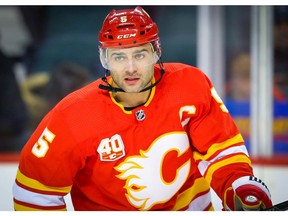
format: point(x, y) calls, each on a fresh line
point(219, 148)
point(49, 161)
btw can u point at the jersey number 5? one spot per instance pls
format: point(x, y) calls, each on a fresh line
point(41, 147)
point(219, 100)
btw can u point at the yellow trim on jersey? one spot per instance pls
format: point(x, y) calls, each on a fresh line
point(225, 197)
point(19, 207)
point(185, 197)
point(32, 183)
point(122, 107)
point(231, 160)
point(211, 208)
point(218, 146)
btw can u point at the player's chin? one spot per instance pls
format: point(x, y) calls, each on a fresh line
point(132, 89)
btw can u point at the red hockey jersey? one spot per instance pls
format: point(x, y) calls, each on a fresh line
point(163, 155)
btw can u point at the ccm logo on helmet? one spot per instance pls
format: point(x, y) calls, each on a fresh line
point(126, 36)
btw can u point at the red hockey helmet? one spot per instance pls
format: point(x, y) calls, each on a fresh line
point(128, 28)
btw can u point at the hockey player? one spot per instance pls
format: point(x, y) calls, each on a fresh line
point(151, 136)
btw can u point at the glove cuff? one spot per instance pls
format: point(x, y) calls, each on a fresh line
point(251, 180)
point(247, 193)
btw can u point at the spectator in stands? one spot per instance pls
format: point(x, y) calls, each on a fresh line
point(281, 80)
point(65, 78)
point(281, 52)
point(42, 90)
point(238, 87)
point(281, 33)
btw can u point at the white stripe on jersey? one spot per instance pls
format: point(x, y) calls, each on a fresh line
point(200, 203)
point(27, 196)
point(203, 165)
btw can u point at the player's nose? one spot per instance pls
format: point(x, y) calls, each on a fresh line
point(131, 67)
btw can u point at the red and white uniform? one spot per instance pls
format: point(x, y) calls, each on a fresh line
point(163, 155)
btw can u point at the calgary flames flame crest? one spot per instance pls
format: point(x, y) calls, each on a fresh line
point(145, 184)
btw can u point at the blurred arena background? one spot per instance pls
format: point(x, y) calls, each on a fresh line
point(46, 52)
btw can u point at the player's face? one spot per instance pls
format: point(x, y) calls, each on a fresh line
point(132, 69)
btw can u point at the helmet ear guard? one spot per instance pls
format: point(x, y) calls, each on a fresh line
point(156, 46)
point(103, 57)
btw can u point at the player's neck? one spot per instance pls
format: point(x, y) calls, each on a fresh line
point(131, 99)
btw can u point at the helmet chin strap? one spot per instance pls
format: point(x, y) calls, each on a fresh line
point(110, 88)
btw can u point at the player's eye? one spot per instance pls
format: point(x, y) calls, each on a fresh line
point(119, 58)
point(139, 56)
